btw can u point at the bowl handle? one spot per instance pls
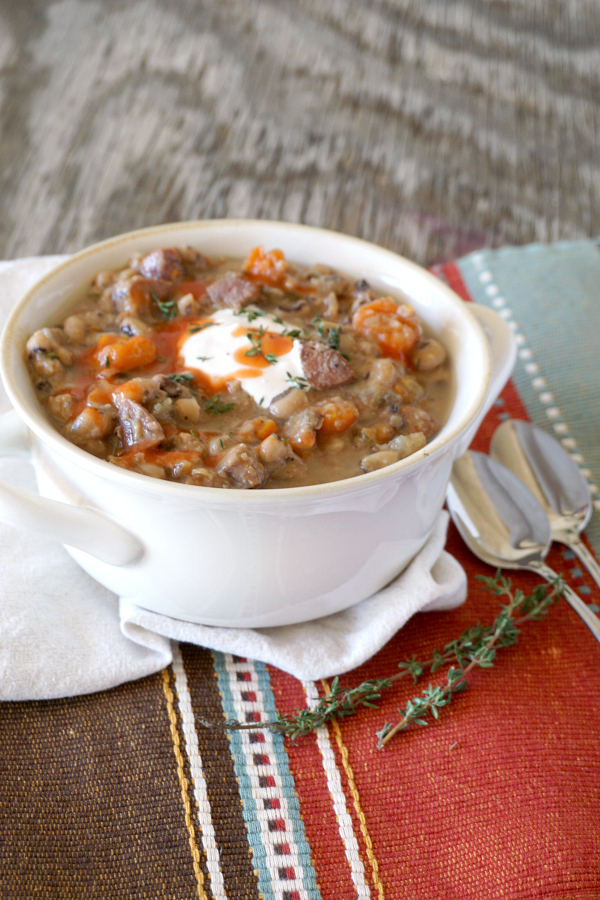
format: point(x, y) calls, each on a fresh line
point(76, 526)
point(503, 351)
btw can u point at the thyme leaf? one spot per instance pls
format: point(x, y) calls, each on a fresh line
point(255, 338)
point(298, 381)
point(168, 308)
point(180, 377)
point(475, 647)
point(249, 313)
point(330, 333)
point(215, 406)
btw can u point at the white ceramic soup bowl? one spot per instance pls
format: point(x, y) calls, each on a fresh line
point(233, 557)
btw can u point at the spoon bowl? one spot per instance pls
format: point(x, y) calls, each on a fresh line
point(553, 478)
point(503, 524)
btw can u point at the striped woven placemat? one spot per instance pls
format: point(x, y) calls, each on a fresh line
point(126, 793)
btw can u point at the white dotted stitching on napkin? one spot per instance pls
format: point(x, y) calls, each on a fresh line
point(538, 382)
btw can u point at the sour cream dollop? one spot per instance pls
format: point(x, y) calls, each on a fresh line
point(250, 346)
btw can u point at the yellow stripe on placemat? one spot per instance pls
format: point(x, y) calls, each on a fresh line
point(183, 781)
point(356, 800)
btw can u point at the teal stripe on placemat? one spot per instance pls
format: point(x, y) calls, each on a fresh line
point(283, 766)
point(310, 889)
point(241, 772)
point(550, 295)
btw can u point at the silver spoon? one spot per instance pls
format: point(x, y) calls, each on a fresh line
point(554, 480)
point(500, 520)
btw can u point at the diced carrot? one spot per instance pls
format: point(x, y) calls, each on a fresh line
point(270, 267)
point(100, 392)
point(170, 458)
point(265, 427)
point(105, 339)
point(338, 416)
point(123, 355)
point(394, 328)
point(132, 389)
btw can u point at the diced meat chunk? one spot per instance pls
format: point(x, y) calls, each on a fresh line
point(164, 264)
point(134, 296)
point(241, 465)
point(417, 419)
point(139, 429)
point(233, 292)
point(324, 367)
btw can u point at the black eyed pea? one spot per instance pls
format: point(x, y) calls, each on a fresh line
point(428, 355)
point(187, 409)
point(405, 444)
point(379, 460)
point(283, 406)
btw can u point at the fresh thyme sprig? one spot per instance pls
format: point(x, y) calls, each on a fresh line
point(475, 647)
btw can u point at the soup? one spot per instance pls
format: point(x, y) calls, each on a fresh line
point(253, 373)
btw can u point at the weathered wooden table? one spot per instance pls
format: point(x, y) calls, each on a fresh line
point(430, 127)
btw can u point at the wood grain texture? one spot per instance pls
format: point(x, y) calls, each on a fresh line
point(430, 127)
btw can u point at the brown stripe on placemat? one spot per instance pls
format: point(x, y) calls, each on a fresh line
point(91, 800)
point(185, 780)
point(231, 837)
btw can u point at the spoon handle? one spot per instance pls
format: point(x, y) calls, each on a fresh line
point(585, 557)
point(582, 609)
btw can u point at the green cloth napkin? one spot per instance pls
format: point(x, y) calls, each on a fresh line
point(550, 296)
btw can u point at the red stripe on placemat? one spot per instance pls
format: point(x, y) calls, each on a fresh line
point(450, 273)
point(509, 404)
point(316, 805)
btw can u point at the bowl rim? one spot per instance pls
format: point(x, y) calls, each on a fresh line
point(36, 420)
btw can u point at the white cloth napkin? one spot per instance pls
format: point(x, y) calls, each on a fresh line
point(62, 634)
